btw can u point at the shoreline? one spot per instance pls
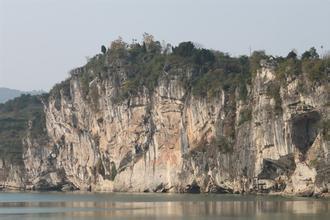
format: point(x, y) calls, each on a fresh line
point(272, 194)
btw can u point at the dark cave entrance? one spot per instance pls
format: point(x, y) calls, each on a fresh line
point(305, 130)
point(271, 169)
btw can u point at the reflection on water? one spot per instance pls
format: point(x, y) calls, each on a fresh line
point(158, 206)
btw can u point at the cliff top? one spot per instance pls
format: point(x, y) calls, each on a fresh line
point(143, 64)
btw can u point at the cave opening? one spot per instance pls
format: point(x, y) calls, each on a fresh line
point(271, 169)
point(305, 130)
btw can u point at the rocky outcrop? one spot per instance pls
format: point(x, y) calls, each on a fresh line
point(169, 140)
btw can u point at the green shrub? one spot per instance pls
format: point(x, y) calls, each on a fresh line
point(310, 54)
point(288, 67)
point(203, 57)
point(60, 88)
point(197, 56)
point(245, 115)
point(242, 91)
point(184, 49)
point(103, 49)
point(315, 69)
point(273, 91)
point(207, 85)
point(229, 74)
point(310, 64)
point(255, 59)
point(292, 55)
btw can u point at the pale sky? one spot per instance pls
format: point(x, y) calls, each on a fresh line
point(41, 40)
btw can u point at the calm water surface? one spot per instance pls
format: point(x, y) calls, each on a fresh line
point(98, 206)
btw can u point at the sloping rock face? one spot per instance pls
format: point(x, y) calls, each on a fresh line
point(168, 140)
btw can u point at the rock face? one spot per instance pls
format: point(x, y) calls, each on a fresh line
point(169, 140)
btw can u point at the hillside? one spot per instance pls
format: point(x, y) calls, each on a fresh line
point(8, 94)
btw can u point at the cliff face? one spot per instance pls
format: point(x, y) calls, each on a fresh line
point(168, 139)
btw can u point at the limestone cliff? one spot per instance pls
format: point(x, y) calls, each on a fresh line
point(169, 139)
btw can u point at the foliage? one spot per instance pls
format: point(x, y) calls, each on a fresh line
point(18, 117)
point(144, 71)
point(245, 115)
point(273, 91)
point(194, 55)
point(204, 57)
point(94, 68)
point(209, 84)
point(184, 49)
point(227, 73)
point(310, 54)
point(242, 92)
point(255, 60)
point(118, 49)
point(103, 49)
point(211, 71)
point(292, 55)
point(316, 69)
point(61, 88)
point(288, 67)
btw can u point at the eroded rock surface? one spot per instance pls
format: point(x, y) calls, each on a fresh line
point(169, 140)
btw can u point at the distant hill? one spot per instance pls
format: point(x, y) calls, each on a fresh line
point(7, 94)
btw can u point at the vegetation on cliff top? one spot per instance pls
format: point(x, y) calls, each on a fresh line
point(210, 71)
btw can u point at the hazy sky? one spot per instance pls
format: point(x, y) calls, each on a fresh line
point(41, 40)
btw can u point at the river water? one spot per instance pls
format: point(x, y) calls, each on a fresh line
point(77, 205)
